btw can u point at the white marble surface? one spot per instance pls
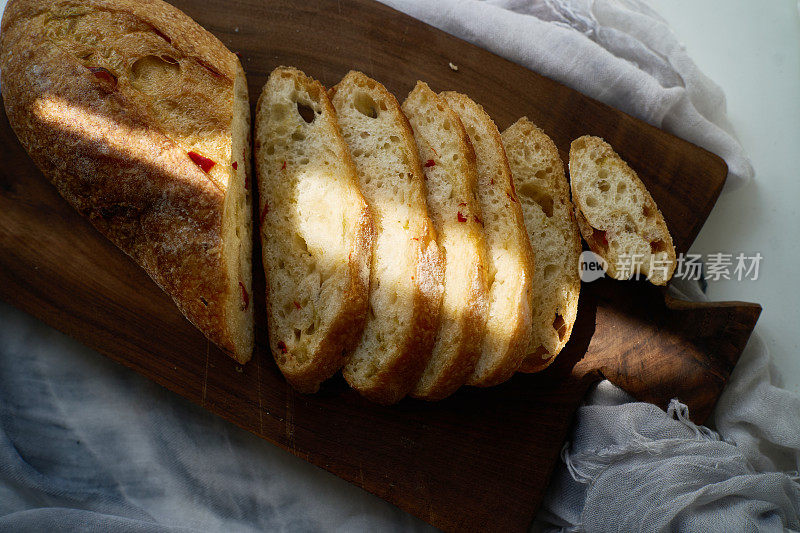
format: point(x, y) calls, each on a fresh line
point(752, 50)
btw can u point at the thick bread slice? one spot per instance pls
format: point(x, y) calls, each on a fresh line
point(510, 266)
point(406, 282)
point(451, 178)
point(140, 118)
point(316, 231)
point(543, 193)
point(616, 214)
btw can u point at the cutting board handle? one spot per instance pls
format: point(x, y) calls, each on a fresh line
point(657, 347)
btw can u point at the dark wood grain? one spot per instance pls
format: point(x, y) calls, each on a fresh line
point(480, 459)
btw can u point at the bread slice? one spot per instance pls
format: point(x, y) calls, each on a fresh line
point(451, 178)
point(616, 214)
point(316, 231)
point(406, 282)
point(543, 193)
point(141, 121)
point(510, 265)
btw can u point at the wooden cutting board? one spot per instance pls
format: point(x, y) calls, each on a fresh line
point(480, 459)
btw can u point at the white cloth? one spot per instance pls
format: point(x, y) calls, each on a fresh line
point(617, 51)
point(86, 444)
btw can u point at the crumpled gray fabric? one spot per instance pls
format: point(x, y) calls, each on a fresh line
point(88, 445)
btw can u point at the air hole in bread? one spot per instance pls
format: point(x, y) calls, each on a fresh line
point(550, 271)
point(365, 105)
point(630, 224)
point(306, 113)
point(560, 326)
point(647, 211)
point(602, 173)
point(591, 201)
point(300, 243)
point(150, 74)
point(621, 187)
point(603, 185)
point(540, 352)
point(310, 329)
point(658, 246)
point(599, 241)
point(298, 136)
point(297, 334)
point(537, 194)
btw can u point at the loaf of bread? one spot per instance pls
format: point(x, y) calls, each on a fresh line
point(543, 193)
point(616, 214)
point(140, 118)
point(451, 178)
point(510, 256)
point(316, 232)
point(406, 283)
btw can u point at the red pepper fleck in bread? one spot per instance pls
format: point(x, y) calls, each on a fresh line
point(138, 116)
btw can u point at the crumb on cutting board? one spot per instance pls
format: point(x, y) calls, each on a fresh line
point(453, 66)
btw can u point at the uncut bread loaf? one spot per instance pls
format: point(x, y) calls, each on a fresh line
point(316, 232)
point(140, 118)
point(616, 214)
point(451, 178)
point(510, 256)
point(543, 193)
point(406, 283)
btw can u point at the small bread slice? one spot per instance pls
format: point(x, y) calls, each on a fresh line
point(543, 193)
point(451, 178)
point(616, 214)
point(406, 283)
point(510, 265)
point(316, 231)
